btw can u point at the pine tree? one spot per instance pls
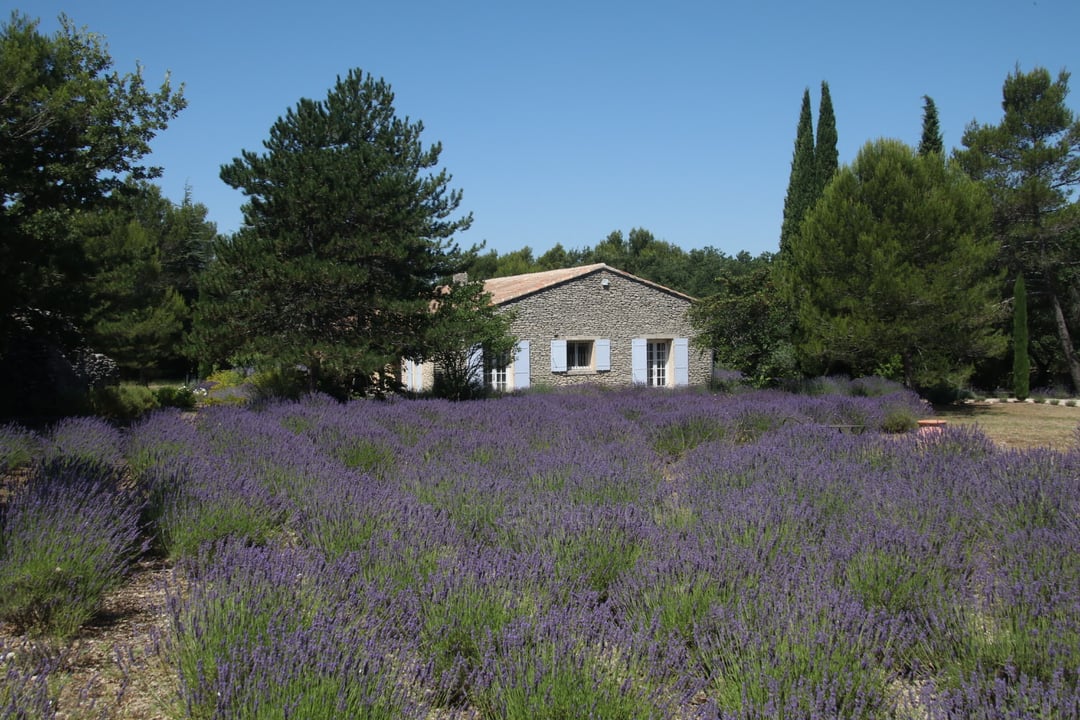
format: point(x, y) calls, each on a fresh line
point(1021, 361)
point(931, 141)
point(893, 263)
point(348, 230)
point(802, 183)
point(826, 156)
point(1030, 162)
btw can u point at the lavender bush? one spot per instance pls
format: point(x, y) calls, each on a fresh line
point(24, 687)
point(66, 538)
point(612, 554)
point(260, 635)
point(18, 447)
point(89, 440)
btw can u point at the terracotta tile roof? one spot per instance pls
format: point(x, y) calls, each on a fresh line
point(504, 289)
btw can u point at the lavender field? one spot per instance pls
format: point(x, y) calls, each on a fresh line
point(627, 554)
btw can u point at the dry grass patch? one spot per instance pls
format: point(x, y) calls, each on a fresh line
point(1019, 425)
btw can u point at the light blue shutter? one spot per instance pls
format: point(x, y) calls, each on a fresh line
point(682, 362)
point(558, 356)
point(603, 354)
point(638, 373)
point(521, 365)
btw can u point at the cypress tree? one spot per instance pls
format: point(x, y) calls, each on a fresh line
point(801, 185)
point(1021, 361)
point(931, 141)
point(825, 154)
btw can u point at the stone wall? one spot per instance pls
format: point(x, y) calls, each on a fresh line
point(588, 309)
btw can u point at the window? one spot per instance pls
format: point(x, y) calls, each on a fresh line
point(656, 362)
point(579, 354)
point(496, 372)
point(660, 363)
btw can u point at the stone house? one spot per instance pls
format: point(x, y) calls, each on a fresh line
point(591, 324)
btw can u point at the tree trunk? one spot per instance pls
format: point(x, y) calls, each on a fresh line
point(1066, 341)
point(314, 370)
point(909, 369)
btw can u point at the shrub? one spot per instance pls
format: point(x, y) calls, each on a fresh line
point(678, 437)
point(874, 386)
point(227, 378)
point(224, 387)
point(727, 381)
point(899, 420)
point(66, 538)
point(564, 665)
point(88, 439)
point(257, 633)
point(17, 447)
point(181, 397)
point(122, 403)
point(279, 384)
point(941, 393)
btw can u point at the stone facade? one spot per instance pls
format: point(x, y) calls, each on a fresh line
point(603, 326)
point(603, 304)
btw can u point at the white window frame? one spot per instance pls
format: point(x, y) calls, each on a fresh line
point(579, 355)
point(657, 361)
point(498, 375)
point(650, 369)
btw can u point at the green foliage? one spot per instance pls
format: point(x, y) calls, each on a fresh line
point(894, 260)
point(931, 141)
point(747, 323)
point(556, 685)
point(182, 397)
point(899, 420)
point(1030, 163)
point(345, 237)
point(123, 403)
point(231, 386)
point(517, 262)
point(466, 331)
point(692, 272)
point(72, 129)
point(227, 378)
point(63, 545)
point(457, 625)
point(677, 438)
point(1021, 361)
point(596, 557)
point(802, 186)
point(143, 253)
point(18, 447)
point(187, 522)
point(814, 648)
point(826, 156)
point(369, 457)
point(279, 383)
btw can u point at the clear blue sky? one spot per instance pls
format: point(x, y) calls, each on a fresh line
point(562, 121)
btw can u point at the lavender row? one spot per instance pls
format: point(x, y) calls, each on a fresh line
point(609, 554)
